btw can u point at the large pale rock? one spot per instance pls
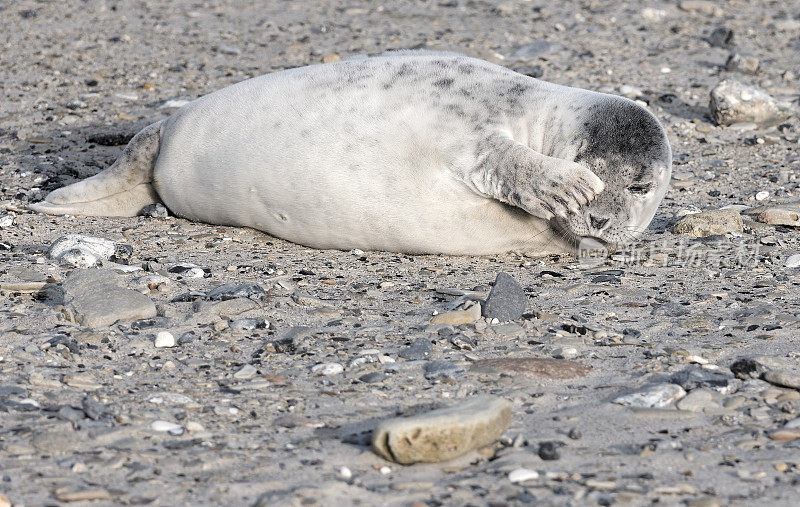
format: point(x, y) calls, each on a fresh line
point(443, 434)
point(709, 223)
point(735, 102)
point(95, 298)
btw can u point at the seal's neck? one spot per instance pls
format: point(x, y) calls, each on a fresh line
point(552, 126)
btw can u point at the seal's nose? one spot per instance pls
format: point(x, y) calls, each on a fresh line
point(598, 223)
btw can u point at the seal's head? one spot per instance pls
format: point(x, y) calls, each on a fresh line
point(625, 145)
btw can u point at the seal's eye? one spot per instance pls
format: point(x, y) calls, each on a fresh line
point(640, 189)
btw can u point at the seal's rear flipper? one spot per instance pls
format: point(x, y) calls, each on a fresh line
point(122, 190)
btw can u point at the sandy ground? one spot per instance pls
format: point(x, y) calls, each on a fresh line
point(77, 405)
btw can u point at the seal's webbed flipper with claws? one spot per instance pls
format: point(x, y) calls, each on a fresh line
point(543, 186)
point(122, 190)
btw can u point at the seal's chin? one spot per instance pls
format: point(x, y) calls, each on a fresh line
point(579, 242)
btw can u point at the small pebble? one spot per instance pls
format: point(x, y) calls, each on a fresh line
point(168, 427)
point(654, 396)
point(164, 339)
point(793, 261)
point(548, 451)
point(327, 369)
point(522, 475)
point(247, 371)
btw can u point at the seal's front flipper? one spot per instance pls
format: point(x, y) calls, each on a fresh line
point(122, 190)
point(543, 186)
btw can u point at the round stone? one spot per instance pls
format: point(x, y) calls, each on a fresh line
point(522, 475)
point(164, 339)
point(327, 369)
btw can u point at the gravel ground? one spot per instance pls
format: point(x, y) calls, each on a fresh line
point(98, 413)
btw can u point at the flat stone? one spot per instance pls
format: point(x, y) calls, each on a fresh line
point(785, 434)
point(309, 300)
point(168, 427)
point(793, 261)
point(443, 434)
point(744, 63)
point(455, 318)
point(55, 440)
point(709, 223)
point(95, 298)
point(227, 308)
point(707, 7)
point(694, 377)
point(506, 300)
point(81, 251)
point(560, 369)
point(327, 369)
point(81, 381)
point(172, 399)
point(784, 215)
point(653, 396)
point(188, 270)
point(697, 400)
point(249, 324)
point(522, 475)
point(443, 370)
point(84, 495)
point(782, 378)
point(250, 290)
point(247, 371)
point(420, 349)
point(792, 424)
point(535, 49)
point(734, 102)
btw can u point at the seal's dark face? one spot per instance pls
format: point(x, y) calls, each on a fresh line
point(623, 144)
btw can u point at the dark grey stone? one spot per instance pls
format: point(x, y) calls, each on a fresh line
point(234, 290)
point(187, 337)
point(443, 370)
point(694, 377)
point(535, 49)
point(93, 408)
point(721, 37)
point(70, 414)
point(747, 368)
point(156, 210)
point(249, 324)
point(548, 451)
point(420, 349)
point(670, 310)
point(12, 390)
point(371, 378)
point(507, 299)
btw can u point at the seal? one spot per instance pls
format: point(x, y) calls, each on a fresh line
point(413, 152)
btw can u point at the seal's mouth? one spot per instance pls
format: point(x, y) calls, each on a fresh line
point(579, 242)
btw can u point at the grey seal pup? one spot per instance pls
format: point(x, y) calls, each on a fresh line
point(414, 152)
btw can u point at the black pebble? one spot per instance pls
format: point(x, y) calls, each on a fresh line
point(548, 451)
